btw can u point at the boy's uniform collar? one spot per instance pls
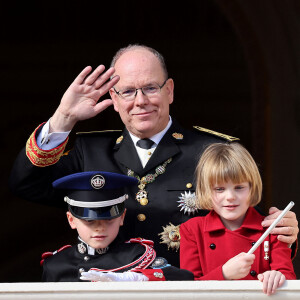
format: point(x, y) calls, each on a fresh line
point(84, 248)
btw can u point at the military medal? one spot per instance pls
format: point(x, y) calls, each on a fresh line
point(142, 194)
point(266, 249)
point(171, 236)
point(159, 263)
point(187, 202)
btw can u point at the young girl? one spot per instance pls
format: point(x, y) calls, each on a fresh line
point(215, 247)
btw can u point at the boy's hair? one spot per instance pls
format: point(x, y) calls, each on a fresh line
point(221, 163)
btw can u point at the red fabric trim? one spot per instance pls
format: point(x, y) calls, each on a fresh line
point(143, 262)
point(40, 157)
point(48, 254)
point(150, 273)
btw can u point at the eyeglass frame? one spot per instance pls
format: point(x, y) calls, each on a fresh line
point(141, 88)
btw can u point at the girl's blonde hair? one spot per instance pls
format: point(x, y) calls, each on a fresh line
point(221, 163)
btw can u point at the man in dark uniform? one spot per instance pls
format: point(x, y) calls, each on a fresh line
point(141, 93)
point(96, 202)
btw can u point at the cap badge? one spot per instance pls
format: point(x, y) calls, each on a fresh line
point(177, 136)
point(97, 182)
point(187, 202)
point(171, 236)
point(119, 139)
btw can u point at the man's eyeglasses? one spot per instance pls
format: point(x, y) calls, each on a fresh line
point(149, 90)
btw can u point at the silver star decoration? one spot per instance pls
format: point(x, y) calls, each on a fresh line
point(187, 202)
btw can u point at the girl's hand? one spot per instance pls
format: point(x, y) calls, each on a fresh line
point(238, 267)
point(271, 281)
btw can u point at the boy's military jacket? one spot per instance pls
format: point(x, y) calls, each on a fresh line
point(206, 245)
point(136, 255)
point(169, 177)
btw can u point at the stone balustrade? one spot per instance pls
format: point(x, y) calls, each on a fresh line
point(207, 290)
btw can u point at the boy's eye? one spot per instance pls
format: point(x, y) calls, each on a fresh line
point(89, 221)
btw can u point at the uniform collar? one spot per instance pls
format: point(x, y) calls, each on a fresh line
point(252, 221)
point(84, 248)
point(155, 138)
point(126, 154)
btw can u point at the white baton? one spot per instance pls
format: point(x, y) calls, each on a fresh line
point(283, 213)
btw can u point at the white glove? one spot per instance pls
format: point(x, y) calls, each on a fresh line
point(93, 275)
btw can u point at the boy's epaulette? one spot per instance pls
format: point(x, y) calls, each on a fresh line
point(48, 254)
point(221, 135)
point(99, 132)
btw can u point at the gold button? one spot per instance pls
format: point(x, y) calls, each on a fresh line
point(141, 217)
point(189, 185)
point(149, 153)
point(144, 201)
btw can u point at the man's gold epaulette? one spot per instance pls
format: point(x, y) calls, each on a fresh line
point(99, 132)
point(221, 135)
point(40, 157)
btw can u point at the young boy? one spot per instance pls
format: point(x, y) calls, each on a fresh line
point(96, 202)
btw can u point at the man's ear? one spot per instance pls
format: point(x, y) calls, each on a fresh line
point(114, 98)
point(71, 220)
point(170, 89)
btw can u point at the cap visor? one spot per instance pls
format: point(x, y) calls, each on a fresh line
point(101, 213)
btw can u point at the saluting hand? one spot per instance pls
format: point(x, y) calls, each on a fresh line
point(80, 101)
point(238, 267)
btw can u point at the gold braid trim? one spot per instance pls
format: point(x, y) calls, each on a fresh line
point(43, 158)
point(222, 135)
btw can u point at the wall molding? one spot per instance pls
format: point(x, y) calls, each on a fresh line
point(146, 290)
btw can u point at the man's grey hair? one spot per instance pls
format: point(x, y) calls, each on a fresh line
point(130, 47)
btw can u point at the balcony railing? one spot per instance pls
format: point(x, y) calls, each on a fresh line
point(147, 290)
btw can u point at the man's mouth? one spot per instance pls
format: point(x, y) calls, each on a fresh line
point(145, 113)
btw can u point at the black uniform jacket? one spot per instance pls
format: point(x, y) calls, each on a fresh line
point(68, 264)
point(113, 151)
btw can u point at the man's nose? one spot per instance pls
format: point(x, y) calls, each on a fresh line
point(140, 98)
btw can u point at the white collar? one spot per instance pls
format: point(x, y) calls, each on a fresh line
point(90, 250)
